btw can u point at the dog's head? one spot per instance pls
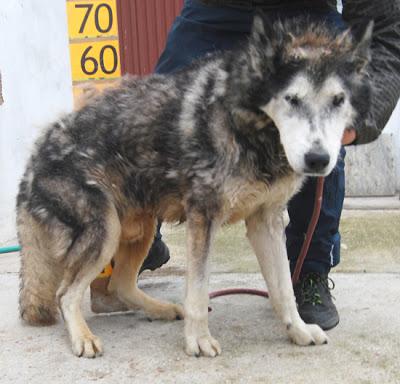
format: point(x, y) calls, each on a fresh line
point(311, 81)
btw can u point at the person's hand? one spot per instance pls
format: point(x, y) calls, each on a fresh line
point(349, 136)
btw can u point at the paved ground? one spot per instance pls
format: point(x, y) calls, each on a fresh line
point(364, 348)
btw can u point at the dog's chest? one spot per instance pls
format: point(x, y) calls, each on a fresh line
point(242, 197)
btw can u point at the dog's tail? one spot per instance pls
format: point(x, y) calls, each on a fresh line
point(39, 278)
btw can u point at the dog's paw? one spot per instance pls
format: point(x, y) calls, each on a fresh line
point(174, 312)
point(167, 312)
point(307, 334)
point(89, 346)
point(202, 345)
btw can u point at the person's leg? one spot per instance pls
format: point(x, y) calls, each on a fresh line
point(312, 291)
point(158, 254)
point(201, 30)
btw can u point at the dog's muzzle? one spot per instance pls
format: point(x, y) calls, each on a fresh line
point(316, 161)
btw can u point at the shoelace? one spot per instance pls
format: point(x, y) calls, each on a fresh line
point(310, 288)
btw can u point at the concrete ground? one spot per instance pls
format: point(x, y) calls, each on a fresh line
point(363, 348)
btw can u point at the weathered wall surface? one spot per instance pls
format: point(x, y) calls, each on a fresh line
point(393, 128)
point(374, 169)
point(36, 76)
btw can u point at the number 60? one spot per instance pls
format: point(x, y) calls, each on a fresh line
point(85, 59)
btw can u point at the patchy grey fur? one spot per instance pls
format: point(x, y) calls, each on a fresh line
point(195, 144)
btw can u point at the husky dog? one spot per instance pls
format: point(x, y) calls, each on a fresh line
point(230, 138)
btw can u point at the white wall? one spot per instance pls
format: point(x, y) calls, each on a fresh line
point(34, 62)
point(393, 127)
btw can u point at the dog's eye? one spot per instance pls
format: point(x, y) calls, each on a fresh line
point(338, 100)
point(293, 100)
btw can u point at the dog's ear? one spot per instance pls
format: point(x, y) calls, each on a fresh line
point(362, 37)
point(265, 29)
point(264, 38)
point(258, 29)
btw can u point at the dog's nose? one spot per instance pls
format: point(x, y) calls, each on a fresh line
point(316, 161)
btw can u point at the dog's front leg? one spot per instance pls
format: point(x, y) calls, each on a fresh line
point(200, 231)
point(265, 230)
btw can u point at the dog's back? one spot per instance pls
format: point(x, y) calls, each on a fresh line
point(126, 151)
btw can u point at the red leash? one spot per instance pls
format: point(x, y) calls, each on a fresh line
point(310, 229)
point(302, 255)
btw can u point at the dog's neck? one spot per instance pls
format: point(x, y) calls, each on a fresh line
point(264, 156)
point(245, 119)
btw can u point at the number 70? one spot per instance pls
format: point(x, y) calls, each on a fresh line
point(97, 11)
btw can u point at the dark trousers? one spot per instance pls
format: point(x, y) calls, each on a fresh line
point(201, 29)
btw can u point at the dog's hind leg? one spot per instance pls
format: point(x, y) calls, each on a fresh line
point(200, 235)
point(40, 272)
point(127, 262)
point(92, 251)
point(265, 230)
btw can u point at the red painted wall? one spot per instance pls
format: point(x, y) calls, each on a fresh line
point(143, 27)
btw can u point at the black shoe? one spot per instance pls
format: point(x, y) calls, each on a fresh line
point(158, 256)
point(314, 300)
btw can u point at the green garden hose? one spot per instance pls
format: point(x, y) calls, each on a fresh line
point(11, 248)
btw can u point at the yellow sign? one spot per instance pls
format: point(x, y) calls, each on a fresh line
point(92, 19)
point(95, 60)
